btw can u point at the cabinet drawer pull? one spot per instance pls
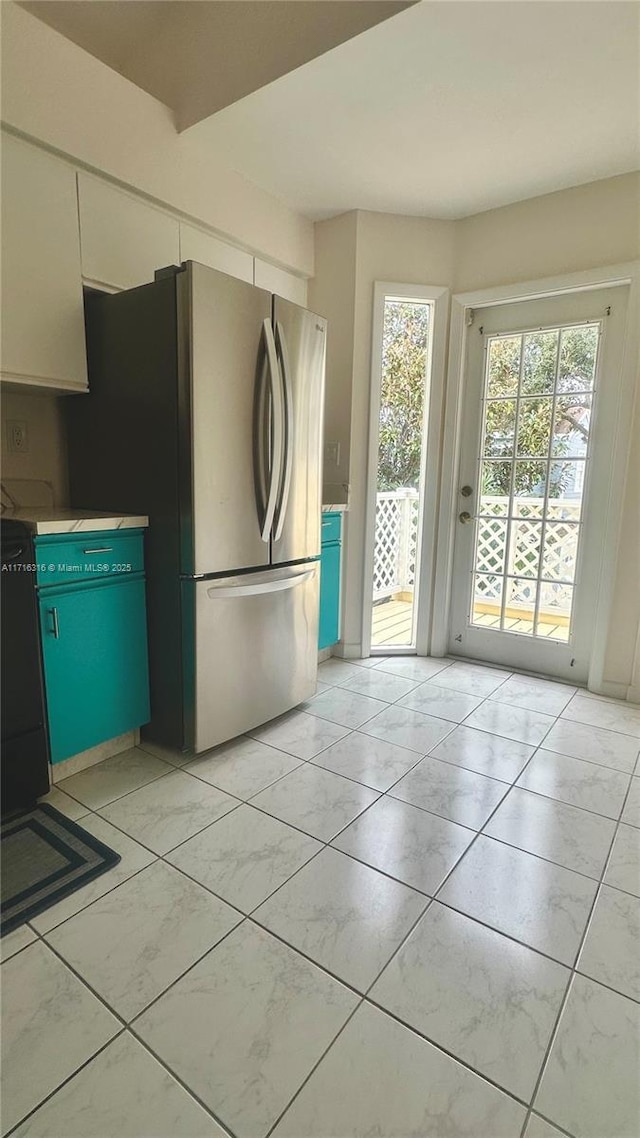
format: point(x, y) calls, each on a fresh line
point(56, 627)
point(100, 549)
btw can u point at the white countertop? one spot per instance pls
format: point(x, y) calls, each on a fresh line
point(50, 520)
point(341, 508)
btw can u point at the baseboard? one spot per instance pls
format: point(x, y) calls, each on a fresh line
point(94, 755)
point(612, 690)
point(325, 654)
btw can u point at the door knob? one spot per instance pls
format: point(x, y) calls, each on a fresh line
point(465, 517)
point(466, 491)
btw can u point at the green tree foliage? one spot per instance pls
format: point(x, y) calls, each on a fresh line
point(404, 359)
point(540, 430)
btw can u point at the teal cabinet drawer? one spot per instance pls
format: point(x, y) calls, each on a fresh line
point(331, 527)
point(329, 596)
point(94, 648)
point(64, 559)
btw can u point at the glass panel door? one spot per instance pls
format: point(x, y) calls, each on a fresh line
point(539, 411)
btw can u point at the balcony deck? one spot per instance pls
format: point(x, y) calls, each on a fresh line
point(391, 623)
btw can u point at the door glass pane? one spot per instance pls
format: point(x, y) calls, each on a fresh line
point(540, 362)
point(538, 395)
point(500, 427)
point(405, 355)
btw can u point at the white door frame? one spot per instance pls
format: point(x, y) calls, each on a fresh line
point(438, 296)
point(461, 304)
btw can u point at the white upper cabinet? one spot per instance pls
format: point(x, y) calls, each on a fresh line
point(43, 341)
point(279, 281)
point(196, 245)
point(124, 239)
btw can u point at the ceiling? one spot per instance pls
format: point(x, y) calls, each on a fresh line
point(197, 56)
point(446, 109)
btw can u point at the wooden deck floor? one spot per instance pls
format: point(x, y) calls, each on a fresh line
point(391, 623)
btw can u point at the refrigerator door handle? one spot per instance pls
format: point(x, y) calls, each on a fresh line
point(287, 393)
point(220, 592)
point(268, 431)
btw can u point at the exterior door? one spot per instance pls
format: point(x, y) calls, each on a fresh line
point(223, 321)
point(300, 338)
point(540, 406)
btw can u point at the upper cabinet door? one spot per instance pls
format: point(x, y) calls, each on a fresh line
point(42, 317)
point(124, 240)
point(196, 245)
point(281, 282)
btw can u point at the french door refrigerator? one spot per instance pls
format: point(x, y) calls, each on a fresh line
point(205, 412)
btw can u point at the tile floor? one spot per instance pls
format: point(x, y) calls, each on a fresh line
point(410, 908)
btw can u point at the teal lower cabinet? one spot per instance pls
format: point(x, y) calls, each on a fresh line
point(94, 649)
point(330, 580)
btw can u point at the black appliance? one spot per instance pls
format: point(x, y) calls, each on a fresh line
point(24, 760)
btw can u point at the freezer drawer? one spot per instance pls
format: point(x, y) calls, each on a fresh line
point(254, 650)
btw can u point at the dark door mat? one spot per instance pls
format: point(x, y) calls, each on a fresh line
point(45, 856)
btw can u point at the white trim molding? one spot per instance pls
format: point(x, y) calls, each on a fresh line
point(463, 305)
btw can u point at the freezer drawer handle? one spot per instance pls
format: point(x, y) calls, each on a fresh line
point(281, 512)
point(233, 591)
point(277, 434)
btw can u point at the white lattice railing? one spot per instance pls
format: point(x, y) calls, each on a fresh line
point(396, 539)
point(522, 556)
point(394, 562)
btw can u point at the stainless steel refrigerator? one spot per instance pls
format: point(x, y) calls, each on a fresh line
point(205, 412)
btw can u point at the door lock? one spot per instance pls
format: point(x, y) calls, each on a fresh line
point(465, 517)
point(466, 491)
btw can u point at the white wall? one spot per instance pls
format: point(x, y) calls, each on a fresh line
point(46, 457)
point(580, 228)
point(55, 92)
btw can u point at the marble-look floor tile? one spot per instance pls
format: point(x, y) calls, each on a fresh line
point(245, 1026)
point(610, 951)
point(534, 695)
point(300, 734)
point(623, 870)
point(133, 857)
point(590, 1084)
point(315, 800)
point(345, 707)
point(380, 1079)
point(487, 754)
point(334, 672)
point(417, 848)
point(373, 762)
point(540, 1128)
point(452, 792)
point(543, 905)
point(64, 804)
point(489, 1001)
point(380, 685)
point(114, 777)
point(135, 941)
point(553, 830)
point(367, 661)
point(244, 856)
point(631, 812)
point(472, 679)
point(169, 810)
point(418, 668)
point(345, 916)
point(585, 785)
point(15, 941)
point(511, 722)
point(594, 744)
point(612, 716)
point(243, 767)
point(51, 1025)
point(123, 1093)
point(408, 728)
point(442, 702)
